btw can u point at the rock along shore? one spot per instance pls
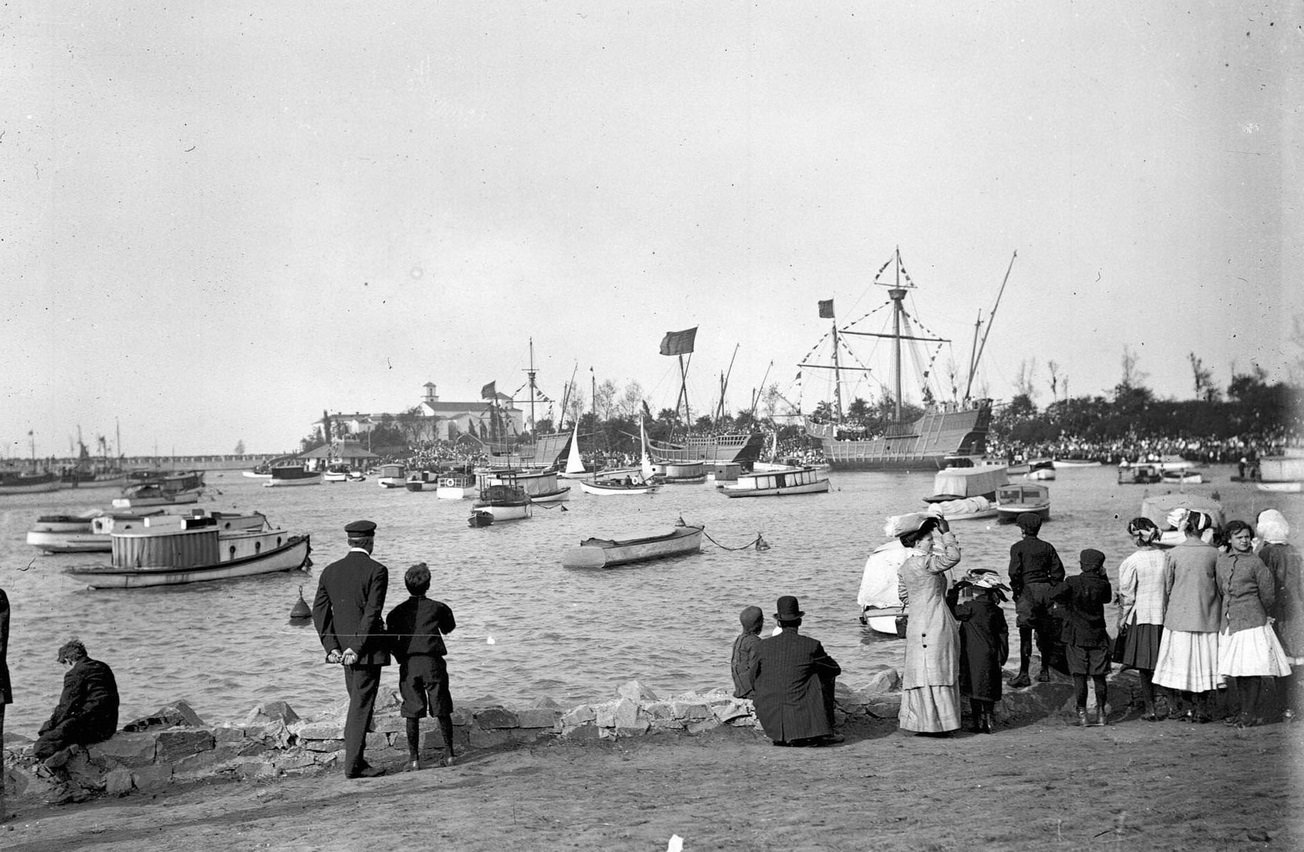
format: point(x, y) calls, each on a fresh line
point(174, 746)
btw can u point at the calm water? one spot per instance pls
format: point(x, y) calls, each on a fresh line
point(569, 635)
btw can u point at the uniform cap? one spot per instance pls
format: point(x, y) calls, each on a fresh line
point(361, 528)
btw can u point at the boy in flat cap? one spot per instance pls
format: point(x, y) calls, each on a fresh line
point(417, 627)
point(1085, 639)
point(1035, 568)
point(346, 613)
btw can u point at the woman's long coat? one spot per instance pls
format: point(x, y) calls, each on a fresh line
point(932, 635)
point(984, 648)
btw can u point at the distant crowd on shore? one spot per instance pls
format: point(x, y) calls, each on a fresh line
point(1207, 450)
point(1221, 608)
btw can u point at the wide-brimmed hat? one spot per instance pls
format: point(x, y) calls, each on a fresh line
point(788, 609)
point(985, 578)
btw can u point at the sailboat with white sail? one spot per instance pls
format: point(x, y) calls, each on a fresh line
point(945, 433)
point(574, 463)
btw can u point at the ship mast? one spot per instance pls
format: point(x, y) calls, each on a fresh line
point(973, 367)
point(897, 294)
point(531, 373)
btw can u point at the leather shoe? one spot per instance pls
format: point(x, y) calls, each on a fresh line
point(1021, 681)
point(1043, 676)
point(412, 765)
point(833, 739)
point(366, 772)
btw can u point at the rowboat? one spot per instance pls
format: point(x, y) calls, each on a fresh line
point(680, 472)
point(1016, 499)
point(1040, 469)
point(1181, 477)
point(609, 552)
point(778, 483)
point(966, 492)
point(1138, 474)
point(1278, 487)
point(422, 480)
point(173, 550)
point(614, 486)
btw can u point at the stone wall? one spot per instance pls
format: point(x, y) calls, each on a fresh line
point(175, 746)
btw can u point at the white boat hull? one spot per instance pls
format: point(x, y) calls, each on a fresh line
point(594, 553)
point(289, 557)
point(1279, 487)
point(807, 488)
point(604, 490)
point(252, 475)
point(184, 499)
point(455, 492)
point(504, 513)
point(291, 483)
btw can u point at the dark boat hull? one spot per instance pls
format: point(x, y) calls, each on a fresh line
point(924, 444)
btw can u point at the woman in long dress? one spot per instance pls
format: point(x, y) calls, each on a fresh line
point(930, 688)
point(1188, 651)
point(1287, 568)
point(1248, 649)
point(1141, 609)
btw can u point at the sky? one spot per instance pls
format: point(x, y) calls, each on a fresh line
point(223, 219)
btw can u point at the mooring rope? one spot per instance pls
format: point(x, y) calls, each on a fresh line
point(759, 543)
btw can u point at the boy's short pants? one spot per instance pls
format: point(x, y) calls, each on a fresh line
point(1087, 661)
point(423, 683)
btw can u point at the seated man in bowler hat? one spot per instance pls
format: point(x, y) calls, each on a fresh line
point(794, 680)
point(347, 615)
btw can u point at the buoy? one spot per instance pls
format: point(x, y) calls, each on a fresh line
point(300, 609)
point(761, 543)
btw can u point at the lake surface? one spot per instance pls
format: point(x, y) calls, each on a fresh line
point(527, 628)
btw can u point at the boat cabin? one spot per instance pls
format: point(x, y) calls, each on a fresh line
point(958, 483)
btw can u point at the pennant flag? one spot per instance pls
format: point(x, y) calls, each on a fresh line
point(647, 412)
point(488, 391)
point(678, 342)
point(826, 309)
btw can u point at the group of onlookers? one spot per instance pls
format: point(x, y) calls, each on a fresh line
point(1219, 608)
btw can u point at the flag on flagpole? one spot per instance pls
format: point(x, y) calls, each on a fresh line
point(488, 391)
point(647, 412)
point(678, 342)
point(826, 309)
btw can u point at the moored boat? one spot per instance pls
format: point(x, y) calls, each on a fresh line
point(1178, 476)
point(778, 483)
point(456, 486)
point(1138, 473)
point(1040, 470)
point(680, 473)
point(392, 476)
point(960, 481)
point(173, 550)
point(500, 503)
point(287, 476)
point(1017, 498)
point(941, 431)
point(614, 485)
point(21, 482)
point(879, 597)
point(56, 536)
point(1279, 487)
point(540, 486)
point(168, 489)
point(628, 549)
point(422, 480)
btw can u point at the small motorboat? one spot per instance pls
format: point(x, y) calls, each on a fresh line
point(540, 485)
point(422, 480)
point(1278, 487)
point(173, 549)
point(1016, 499)
point(680, 472)
point(172, 489)
point(777, 483)
point(609, 552)
point(501, 503)
point(456, 486)
point(617, 485)
point(1141, 473)
point(1178, 476)
point(293, 475)
point(1040, 469)
point(392, 476)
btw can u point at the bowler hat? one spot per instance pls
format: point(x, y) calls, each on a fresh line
point(788, 609)
point(359, 528)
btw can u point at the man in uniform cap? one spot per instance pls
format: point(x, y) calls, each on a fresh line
point(347, 615)
point(794, 680)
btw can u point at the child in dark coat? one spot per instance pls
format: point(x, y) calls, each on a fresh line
point(417, 627)
point(1085, 638)
point(984, 643)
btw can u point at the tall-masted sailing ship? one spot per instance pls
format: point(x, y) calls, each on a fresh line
point(946, 433)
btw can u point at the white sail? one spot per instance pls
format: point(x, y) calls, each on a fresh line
point(646, 461)
point(574, 464)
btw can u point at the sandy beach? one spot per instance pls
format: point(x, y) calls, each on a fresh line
point(1042, 785)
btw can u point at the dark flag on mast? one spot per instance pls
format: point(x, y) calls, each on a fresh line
point(488, 391)
point(826, 309)
point(678, 342)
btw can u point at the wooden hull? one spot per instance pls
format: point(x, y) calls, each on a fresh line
point(183, 499)
point(274, 482)
point(37, 485)
point(740, 447)
point(1008, 513)
point(504, 511)
point(289, 557)
point(602, 489)
point(926, 443)
point(607, 553)
point(1279, 487)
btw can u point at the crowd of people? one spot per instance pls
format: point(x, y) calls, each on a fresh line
point(1206, 450)
point(1218, 608)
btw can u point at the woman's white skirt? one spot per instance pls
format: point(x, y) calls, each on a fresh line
point(1254, 652)
point(1188, 661)
point(930, 709)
